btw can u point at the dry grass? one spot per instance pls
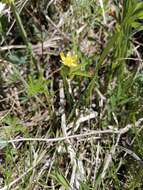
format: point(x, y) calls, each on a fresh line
point(60, 129)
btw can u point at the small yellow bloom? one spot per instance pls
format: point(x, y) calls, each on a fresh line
point(69, 60)
point(8, 2)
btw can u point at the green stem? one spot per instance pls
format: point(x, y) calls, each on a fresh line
point(24, 36)
point(19, 23)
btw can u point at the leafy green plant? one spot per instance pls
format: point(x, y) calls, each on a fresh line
point(37, 86)
point(13, 125)
point(119, 43)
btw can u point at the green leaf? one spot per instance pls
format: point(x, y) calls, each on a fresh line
point(61, 180)
point(36, 86)
point(138, 11)
point(84, 186)
point(16, 59)
point(81, 73)
point(137, 26)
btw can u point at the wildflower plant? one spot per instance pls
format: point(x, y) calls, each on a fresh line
point(69, 60)
point(73, 67)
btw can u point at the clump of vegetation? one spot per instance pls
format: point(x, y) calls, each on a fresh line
point(71, 85)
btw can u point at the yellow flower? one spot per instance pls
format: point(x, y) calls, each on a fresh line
point(69, 60)
point(8, 2)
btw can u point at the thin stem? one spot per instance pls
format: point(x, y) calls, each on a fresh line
point(20, 25)
point(24, 36)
